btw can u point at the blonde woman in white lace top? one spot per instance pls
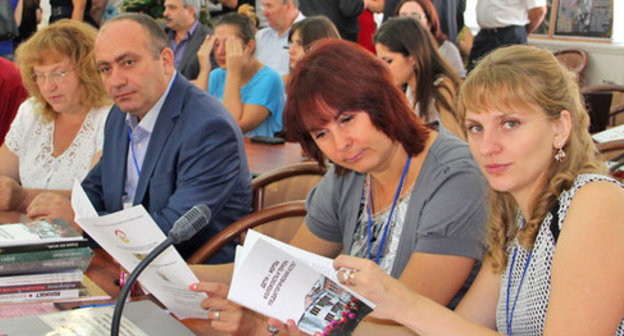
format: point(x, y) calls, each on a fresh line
point(57, 134)
point(556, 225)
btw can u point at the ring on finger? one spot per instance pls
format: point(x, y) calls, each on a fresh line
point(215, 313)
point(272, 329)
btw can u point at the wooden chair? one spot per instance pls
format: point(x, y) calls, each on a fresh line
point(617, 101)
point(284, 184)
point(576, 60)
point(293, 210)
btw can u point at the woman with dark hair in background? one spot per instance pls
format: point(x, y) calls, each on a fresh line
point(303, 33)
point(393, 183)
point(424, 12)
point(250, 90)
point(409, 50)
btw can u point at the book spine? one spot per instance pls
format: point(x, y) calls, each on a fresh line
point(45, 255)
point(43, 247)
point(39, 287)
point(40, 296)
point(47, 277)
point(81, 263)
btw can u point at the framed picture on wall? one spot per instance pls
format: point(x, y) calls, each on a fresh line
point(584, 18)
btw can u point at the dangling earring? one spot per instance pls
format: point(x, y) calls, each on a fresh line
point(560, 155)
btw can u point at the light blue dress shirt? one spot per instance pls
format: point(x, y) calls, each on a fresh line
point(141, 132)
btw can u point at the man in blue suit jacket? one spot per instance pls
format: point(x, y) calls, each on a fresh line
point(167, 144)
point(195, 152)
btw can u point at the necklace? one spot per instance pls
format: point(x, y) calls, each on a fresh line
point(508, 314)
point(370, 205)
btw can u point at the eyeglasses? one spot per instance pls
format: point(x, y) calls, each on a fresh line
point(55, 77)
point(416, 16)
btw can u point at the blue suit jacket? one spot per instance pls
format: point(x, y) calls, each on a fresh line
point(196, 155)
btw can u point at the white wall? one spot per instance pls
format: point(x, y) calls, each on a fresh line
point(606, 60)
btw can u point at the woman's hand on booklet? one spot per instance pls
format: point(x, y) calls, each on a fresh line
point(368, 279)
point(11, 194)
point(227, 316)
point(50, 205)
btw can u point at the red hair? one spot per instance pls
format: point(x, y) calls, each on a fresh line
point(338, 76)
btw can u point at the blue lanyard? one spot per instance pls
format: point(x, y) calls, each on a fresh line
point(370, 205)
point(508, 316)
point(136, 163)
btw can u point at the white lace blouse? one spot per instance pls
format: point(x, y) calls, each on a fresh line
point(32, 140)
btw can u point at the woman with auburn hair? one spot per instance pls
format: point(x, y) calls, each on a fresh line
point(408, 49)
point(57, 134)
point(424, 12)
point(555, 228)
point(303, 33)
point(393, 181)
point(252, 92)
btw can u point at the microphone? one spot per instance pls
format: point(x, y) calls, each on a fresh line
point(183, 229)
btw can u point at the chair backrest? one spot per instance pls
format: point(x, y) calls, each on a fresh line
point(616, 107)
point(576, 60)
point(598, 105)
point(293, 210)
point(284, 184)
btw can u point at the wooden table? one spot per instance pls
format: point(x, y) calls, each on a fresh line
point(262, 158)
point(104, 271)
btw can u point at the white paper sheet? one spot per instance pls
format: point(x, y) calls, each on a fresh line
point(128, 236)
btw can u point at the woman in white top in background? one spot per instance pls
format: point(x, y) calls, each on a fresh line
point(555, 231)
point(57, 134)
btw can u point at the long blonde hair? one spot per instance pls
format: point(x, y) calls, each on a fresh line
point(518, 76)
point(64, 38)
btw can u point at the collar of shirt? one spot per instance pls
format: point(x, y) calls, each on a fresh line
point(149, 120)
point(141, 135)
point(172, 33)
point(179, 48)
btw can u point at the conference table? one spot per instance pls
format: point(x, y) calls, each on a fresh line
point(104, 271)
point(262, 158)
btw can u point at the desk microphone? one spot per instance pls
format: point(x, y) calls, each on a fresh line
point(183, 229)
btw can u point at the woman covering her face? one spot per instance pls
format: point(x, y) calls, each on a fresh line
point(554, 259)
point(251, 91)
point(57, 134)
point(392, 193)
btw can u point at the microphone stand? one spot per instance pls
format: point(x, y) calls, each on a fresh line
point(134, 275)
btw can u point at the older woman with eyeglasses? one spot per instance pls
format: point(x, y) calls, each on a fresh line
point(57, 134)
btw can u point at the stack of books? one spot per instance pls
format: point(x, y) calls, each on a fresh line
point(42, 261)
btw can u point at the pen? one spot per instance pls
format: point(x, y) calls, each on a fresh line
point(95, 305)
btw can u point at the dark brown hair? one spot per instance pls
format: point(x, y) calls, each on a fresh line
point(408, 37)
point(323, 85)
point(313, 28)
